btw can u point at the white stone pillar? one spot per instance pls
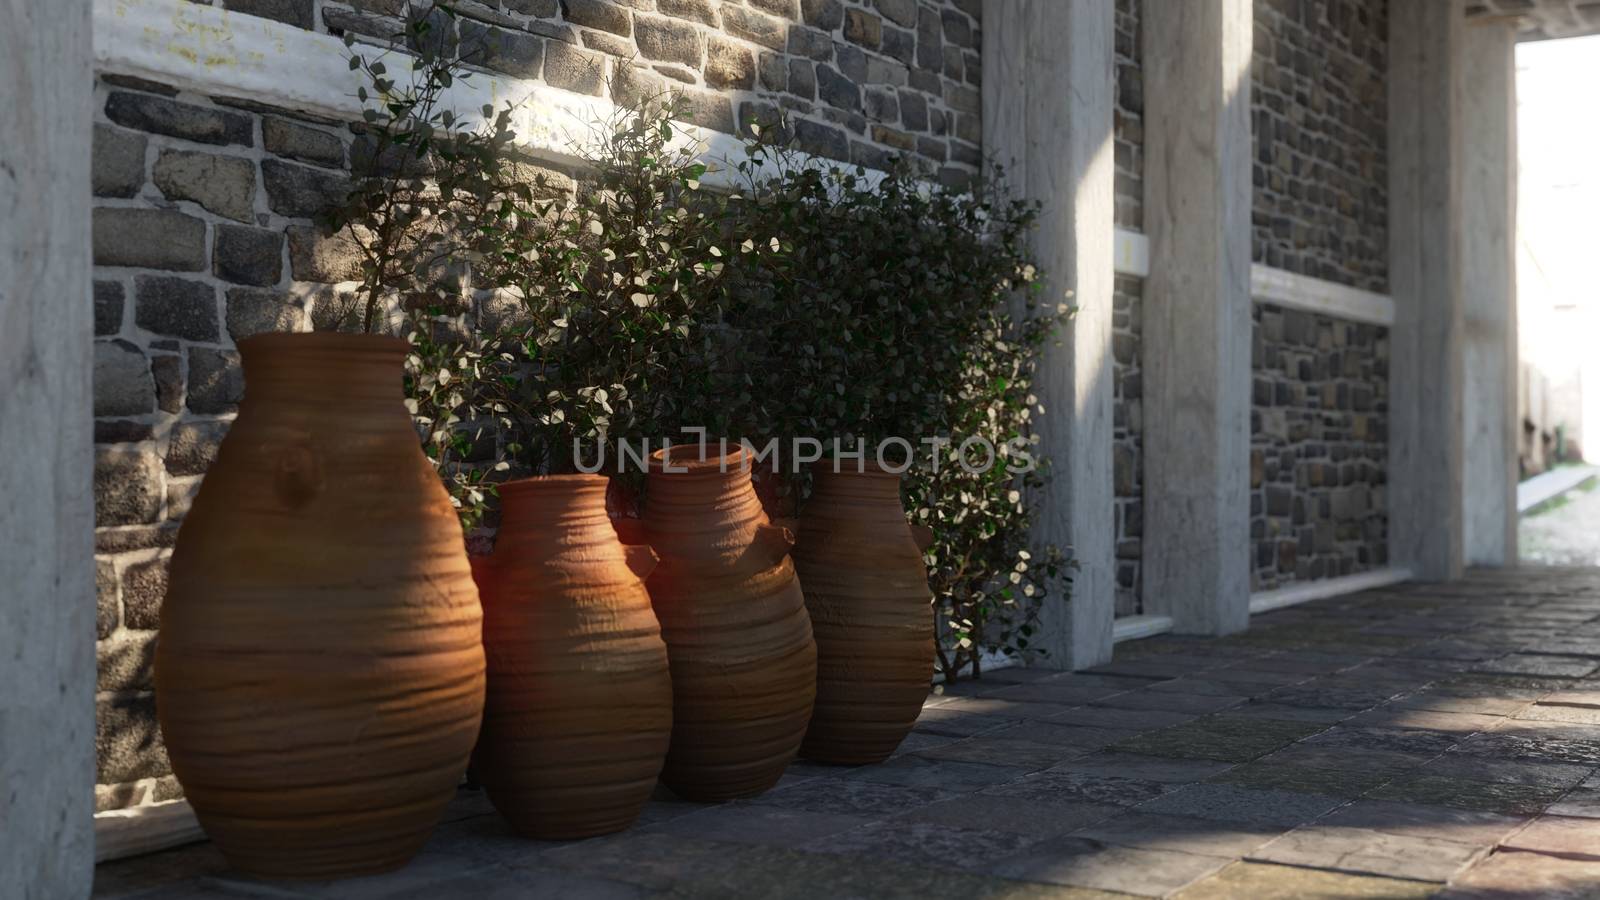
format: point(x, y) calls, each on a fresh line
point(47, 597)
point(1047, 95)
point(1196, 348)
point(1425, 183)
point(1488, 259)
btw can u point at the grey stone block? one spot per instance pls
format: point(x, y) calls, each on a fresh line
point(245, 255)
point(176, 307)
point(753, 26)
point(168, 374)
point(302, 192)
point(127, 741)
point(729, 65)
point(149, 239)
point(127, 665)
point(837, 90)
point(127, 486)
point(668, 40)
point(292, 140)
point(107, 605)
point(600, 14)
point(502, 49)
point(122, 431)
point(225, 185)
point(193, 447)
point(216, 382)
point(317, 256)
point(572, 69)
point(160, 115)
point(108, 302)
point(824, 14)
point(144, 586)
point(293, 12)
point(122, 382)
point(701, 11)
point(118, 162)
point(252, 311)
point(862, 27)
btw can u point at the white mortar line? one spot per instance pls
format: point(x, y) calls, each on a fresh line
point(1295, 594)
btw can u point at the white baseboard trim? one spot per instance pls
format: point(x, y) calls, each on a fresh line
point(1281, 288)
point(1132, 628)
point(121, 833)
point(1295, 594)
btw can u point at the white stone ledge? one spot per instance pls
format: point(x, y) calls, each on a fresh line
point(121, 833)
point(1131, 253)
point(1132, 628)
point(1281, 288)
point(1295, 594)
point(215, 52)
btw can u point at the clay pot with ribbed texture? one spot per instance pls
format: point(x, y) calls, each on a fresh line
point(866, 589)
point(579, 711)
point(320, 674)
point(744, 666)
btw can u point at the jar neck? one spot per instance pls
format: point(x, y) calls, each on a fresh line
point(553, 505)
point(362, 370)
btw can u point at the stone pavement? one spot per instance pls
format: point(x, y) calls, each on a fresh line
point(1565, 532)
point(1415, 741)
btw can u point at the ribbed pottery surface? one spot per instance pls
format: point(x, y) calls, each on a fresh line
point(743, 662)
point(866, 589)
point(579, 711)
point(320, 673)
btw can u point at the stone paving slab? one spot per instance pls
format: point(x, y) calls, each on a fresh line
point(1416, 741)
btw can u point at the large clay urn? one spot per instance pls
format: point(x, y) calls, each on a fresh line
point(744, 667)
point(866, 589)
point(319, 673)
point(580, 703)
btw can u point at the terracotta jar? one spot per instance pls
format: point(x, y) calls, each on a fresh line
point(319, 674)
point(744, 667)
point(866, 589)
point(580, 703)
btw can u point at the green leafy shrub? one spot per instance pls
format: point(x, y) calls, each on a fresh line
point(812, 300)
point(901, 309)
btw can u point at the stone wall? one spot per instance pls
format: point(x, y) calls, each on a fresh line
point(1319, 447)
point(863, 79)
point(1319, 111)
point(203, 234)
point(1128, 125)
point(1127, 449)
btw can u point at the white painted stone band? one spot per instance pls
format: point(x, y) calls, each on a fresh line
point(1132, 628)
point(1305, 592)
point(1269, 285)
point(212, 51)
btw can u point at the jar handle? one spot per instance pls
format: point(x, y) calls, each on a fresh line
point(641, 559)
point(776, 539)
